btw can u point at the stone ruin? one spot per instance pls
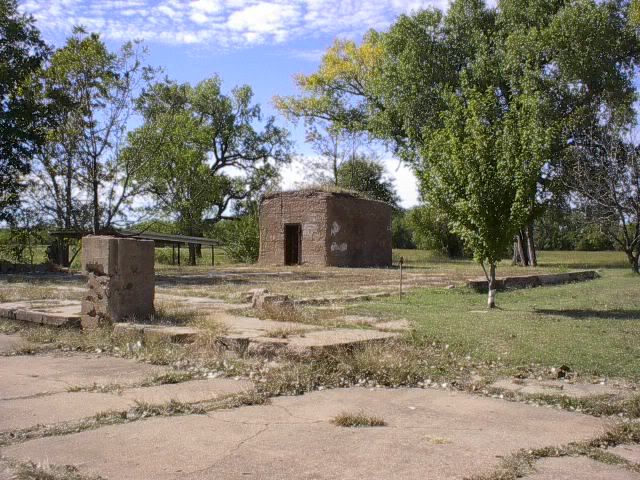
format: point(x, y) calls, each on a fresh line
point(316, 227)
point(121, 280)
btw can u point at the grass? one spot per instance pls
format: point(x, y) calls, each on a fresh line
point(286, 332)
point(46, 471)
point(358, 419)
point(592, 327)
point(522, 463)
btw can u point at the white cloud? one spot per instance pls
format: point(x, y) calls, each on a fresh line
point(227, 23)
point(295, 175)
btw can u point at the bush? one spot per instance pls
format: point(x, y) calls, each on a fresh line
point(241, 237)
point(164, 256)
point(401, 233)
point(431, 232)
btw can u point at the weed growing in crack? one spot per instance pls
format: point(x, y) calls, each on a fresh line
point(358, 419)
point(46, 471)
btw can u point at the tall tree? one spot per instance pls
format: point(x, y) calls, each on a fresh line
point(334, 146)
point(80, 180)
point(366, 176)
point(23, 115)
point(200, 151)
point(603, 170)
point(551, 67)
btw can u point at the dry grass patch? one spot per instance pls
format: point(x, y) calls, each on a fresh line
point(358, 419)
point(522, 463)
point(286, 332)
point(46, 471)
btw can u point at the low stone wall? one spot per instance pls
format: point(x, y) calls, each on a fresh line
point(120, 280)
point(531, 281)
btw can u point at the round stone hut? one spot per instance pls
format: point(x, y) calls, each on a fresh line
point(324, 228)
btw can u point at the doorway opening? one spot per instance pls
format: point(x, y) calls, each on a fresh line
point(292, 244)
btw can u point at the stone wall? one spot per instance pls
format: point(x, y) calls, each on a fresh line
point(120, 280)
point(338, 229)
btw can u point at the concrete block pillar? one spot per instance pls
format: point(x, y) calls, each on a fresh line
point(121, 281)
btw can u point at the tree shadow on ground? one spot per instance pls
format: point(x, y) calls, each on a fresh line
point(580, 314)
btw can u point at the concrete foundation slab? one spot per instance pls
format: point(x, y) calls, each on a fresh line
point(54, 313)
point(63, 407)
point(157, 332)
point(57, 408)
point(579, 468)
point(449, 435)
point(25, 376)
point(556, 387)
point(628, 452)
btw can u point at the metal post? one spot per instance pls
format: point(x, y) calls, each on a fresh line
point(178, 254)
point(213, 256)
point(401, 263)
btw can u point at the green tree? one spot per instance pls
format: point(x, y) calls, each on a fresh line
point(199, 152)
point(431, 231)
point(80, 180)
point(23, 114)
point(524, 77)
point(366, 176)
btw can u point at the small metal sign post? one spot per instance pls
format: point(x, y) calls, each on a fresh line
point(401, 263)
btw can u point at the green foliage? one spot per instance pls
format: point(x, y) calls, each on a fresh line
point(431, 232)
point(241, 237)
point(193, 142)
point(402, 235)
point(21, 243)
point(563, 228)
point(484, 166)
point(366, 176)
point(479, 99)
point(79, 179)
point(23, 114)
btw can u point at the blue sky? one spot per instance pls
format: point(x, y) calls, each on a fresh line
point(262, 43)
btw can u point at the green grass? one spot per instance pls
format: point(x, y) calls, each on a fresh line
point(546, 260)
point(592, 327)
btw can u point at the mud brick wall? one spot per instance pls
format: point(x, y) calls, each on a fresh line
point(338, 229)
point(309, 209)
point(359, 232)
point(120, 280)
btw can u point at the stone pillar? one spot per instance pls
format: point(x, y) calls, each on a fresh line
point(121, 281)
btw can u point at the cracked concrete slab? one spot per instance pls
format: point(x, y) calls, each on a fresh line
point(579, 468)
point(628, 452)
point(56, 313)
point(26, 376)
point(57, 408)
point(70, 406)
point(450, 435)
point(556, 387)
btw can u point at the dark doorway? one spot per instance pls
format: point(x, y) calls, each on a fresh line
point(292, 244)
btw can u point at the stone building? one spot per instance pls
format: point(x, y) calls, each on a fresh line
point(316, 227)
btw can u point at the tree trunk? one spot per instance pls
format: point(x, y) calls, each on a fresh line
point(514, 260)
point(491, 300)
point(531, 247)
point(192, 254)
point(523, 259)
point(634, 260)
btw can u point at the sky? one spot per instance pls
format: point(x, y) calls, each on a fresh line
point(255, 42)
